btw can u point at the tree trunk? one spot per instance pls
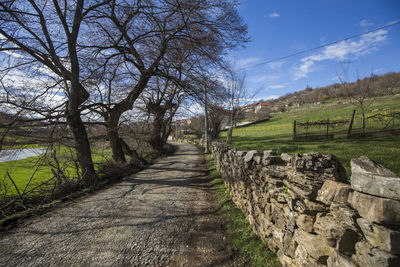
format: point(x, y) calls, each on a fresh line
point(135, 159)
point(230, 130)
point(351, 124)
point(82, 146)
point(76, 97)
point(113, 116)
point(156, 140)
point(112, 119)
point(363, 121)
point(229, 136)
point(115, 143)
point(206, 138)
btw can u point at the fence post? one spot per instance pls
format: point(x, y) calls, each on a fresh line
point(394, 117)
point(294, 130)
point(327, 128)
point(351, 124)
point(307, 128)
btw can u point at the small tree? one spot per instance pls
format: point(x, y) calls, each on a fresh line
point(162, 99)
point(236, 94)
point(196, 126)
point(361, 93)
point(216, 114)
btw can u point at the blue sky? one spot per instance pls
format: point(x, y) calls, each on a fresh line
point(279, 28)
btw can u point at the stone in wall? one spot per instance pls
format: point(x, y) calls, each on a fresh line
point(250, 155)
point(318, 166)
point(270, 157)
point(305, 223)
point(286, 157)
point(337, 259)
point(302, 187)
point(372, 178)
point(380, 236)
point(376, 209)
point(339, 228)
point(310, 171)
point(333, 192)
point(368, 255)
point(313, 245)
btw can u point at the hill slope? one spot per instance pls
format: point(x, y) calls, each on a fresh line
point(277, 134)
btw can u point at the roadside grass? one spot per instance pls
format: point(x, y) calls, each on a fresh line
point(277, 133)
point(241, 234)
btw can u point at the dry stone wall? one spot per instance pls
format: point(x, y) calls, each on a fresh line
point(303, 208)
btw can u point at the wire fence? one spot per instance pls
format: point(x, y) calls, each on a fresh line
point(376, 124)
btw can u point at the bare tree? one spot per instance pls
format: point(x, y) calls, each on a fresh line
point(196, 126)
point(161, 102)
point(236, 87)
point(148, 34)
point(46, 34)
point(216, 114)
point(361, 93)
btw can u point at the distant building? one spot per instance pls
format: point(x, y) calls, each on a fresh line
point(183, 122)
point(255, 111)
point(262, 107)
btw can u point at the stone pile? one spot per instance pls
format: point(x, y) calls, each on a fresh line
point(303, 208)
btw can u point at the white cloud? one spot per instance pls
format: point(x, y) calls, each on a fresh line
point(247, 62)
point(274, 15)
point(303, 70)
point(276, 86)
point(341, 51)
point(22, 86)
point(365, 23)
point(392, 22)
point(263, 78)
point(13, 54)
point(193, 109)
point(276, 64)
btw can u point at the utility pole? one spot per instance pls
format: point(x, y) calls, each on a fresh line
point(207, 150)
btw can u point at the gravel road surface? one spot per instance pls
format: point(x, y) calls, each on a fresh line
point(162, 216)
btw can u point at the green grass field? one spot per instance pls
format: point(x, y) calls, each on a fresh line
point(22, 170)
point(277, 134)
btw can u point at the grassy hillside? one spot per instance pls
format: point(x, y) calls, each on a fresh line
point(277, 133)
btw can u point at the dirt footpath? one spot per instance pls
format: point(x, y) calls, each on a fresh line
point(163, 216)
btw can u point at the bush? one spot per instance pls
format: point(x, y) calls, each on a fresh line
point(113, 171)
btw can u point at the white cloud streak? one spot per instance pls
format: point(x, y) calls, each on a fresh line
point(263, 78)
point(274, 15)
point(276, 64)
point(276, 86)
point(247, 62)
point(365, 23)
point(341, 51)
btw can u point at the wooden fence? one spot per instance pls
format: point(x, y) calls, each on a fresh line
point(326, 124)
point(379, 124)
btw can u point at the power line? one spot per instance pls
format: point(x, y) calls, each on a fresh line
point(321, 46)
